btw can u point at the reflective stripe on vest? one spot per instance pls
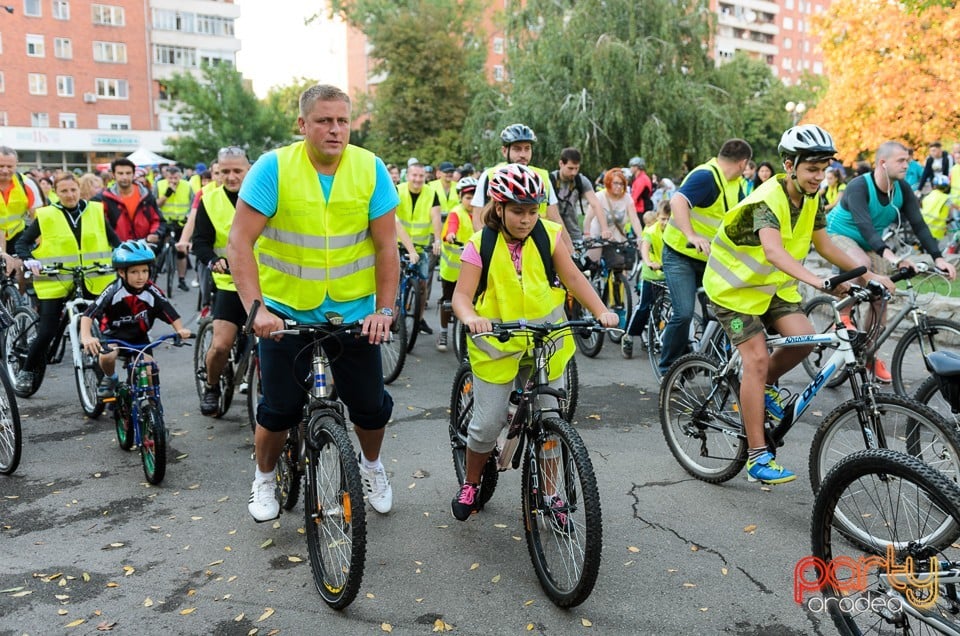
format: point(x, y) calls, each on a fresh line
point(58, 245)
point(416, 219)
point(739, 277)
point(448, 200)
point(13, 211)
point(221, 212)
point(313, 247)
point(935, 211)
point(177, 207)
point(450, 254)
point(704, 221)
point(508, 298)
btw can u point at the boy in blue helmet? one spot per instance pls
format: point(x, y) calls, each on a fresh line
point(126, 310)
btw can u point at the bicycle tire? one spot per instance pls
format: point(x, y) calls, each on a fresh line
point(122, 419)
point(461, 410)
point(928, 394)
point(254, 388)
point(908, 427)
point(571, 385)
point(17, 340)
point(393, 353)
point(11, 434)
point(626, 296)
point(896, 500)
point(684, 394)
point(412, 311)
point(10, 297)
point(334, 514)
point(153, 442)
point(459, 332)
point(170, 265)
point(589, 343)
point(936, 334)
point(819, 310)
point(288, 471)
point(565, 547)
point(660, 314)
point(227, 383)
point(204, 339)
point(87, 377)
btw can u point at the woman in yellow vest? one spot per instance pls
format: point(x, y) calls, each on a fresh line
point(457, 230)
point(833, 190)
point(935, 207)
point(752, 273)
point(72, 232)
point(516, 288)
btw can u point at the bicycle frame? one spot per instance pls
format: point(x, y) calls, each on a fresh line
point(133, 367)
point(948, 574)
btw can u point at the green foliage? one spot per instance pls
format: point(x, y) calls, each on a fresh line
point(286, 101)
point(219, 110)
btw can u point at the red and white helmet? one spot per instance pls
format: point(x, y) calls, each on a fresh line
point(516, 183)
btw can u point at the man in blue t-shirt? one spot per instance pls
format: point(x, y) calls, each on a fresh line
point(302, 249)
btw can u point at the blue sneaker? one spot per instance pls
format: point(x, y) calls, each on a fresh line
point(773, 403)
point(766, 470)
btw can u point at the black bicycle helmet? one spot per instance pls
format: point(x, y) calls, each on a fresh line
point(517, 132)
point(808, 142)
point(131, 253)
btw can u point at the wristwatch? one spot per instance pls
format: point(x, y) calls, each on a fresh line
point(385, 311)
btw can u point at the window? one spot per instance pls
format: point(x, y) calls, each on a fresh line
point(498, 72)
point(1, 43)
point(115, 52)
point(3, 86)
point(37, 83)
point(108, 15)
point(214, 25)
point(787, 43)
point(31, 8)
point(111, 88)
point(68, 120)
point(40, 120)
point(35, 46)
point(787, 63)
point(61, 9)
point(212, 58)
point(788, 23)
point(65, 86)
point(788, 4)
point(498, 46)
point(800, 26)
point(806, 46)
point(63, 48)
point(3, 118)
point(174, 55)
point(113, 122)
point(818, 68)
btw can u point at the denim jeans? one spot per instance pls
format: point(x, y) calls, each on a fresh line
point(684, 275)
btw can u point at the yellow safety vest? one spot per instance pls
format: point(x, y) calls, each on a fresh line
point(13, 211)
point(177, 207)
point(313, 247)
point(449, 253)
point(739, 277)
point(832, 193)
point(544, 176)
point(653, 235)
point(509, 297)
point(58, 245)
point(955, 181)
point(704, 221)
point(221, 212)
point(935, 210)
point(416, 219)
point(448, 200)
point(195, 184)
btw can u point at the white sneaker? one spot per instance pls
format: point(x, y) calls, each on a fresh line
point(194, 283)
point(263, 504)
point(377, 487)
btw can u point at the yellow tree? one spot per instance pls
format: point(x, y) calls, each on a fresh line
point(893, 74)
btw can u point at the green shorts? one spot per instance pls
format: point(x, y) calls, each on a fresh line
point(741, 327)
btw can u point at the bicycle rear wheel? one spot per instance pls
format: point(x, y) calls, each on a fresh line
point(170, 266)
point(288, 471)
point(571, 385)
point(122, 419)
point(591, 342)
point(700, 418)
point(562, 519)
point(819, 310)
point(11, 435)
point(872, 500)
point(929, 395)
point(660, 314)
point(334, 515)
point(204, 340)
point(461, 410)
point(393, 352)
point(153, 443)
point(907, 365)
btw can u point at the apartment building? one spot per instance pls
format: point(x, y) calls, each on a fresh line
point(81, 82)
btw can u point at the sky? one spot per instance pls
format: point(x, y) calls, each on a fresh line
point(269, 34)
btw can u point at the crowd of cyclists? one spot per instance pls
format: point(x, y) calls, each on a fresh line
point(314, 228)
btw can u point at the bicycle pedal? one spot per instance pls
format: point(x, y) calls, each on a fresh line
point(108, 400)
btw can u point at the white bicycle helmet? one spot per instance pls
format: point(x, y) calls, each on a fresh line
point(808, 142)
point(466, 184)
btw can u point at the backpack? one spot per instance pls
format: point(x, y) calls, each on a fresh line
point(577, 185)
point(488, 240)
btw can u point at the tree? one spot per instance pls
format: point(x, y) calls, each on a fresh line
point(430, 59)
point(893, 74)
point(286, 101)
point(612, 78)
point(220, 110)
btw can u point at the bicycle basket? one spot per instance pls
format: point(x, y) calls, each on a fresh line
point(620, 256)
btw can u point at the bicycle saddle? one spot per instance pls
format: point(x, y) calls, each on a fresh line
point(944, 363)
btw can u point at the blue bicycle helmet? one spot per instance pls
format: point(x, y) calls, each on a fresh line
point(941, 181)
point(131, 253)
point(517, 132)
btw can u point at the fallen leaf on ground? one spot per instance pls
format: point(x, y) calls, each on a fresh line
point(79, 621)
point(440, 626)
point(585, 622)
point(188, 610)
point(495, 579)
point(113, 584)
point(294, 559)
point(751, 528)
point(633, 548)
point(128, 570)
point(148, 602)
point(267, 613)
point(106, 626)
point(239, 617)
point(267, 543)
point(474, 566)
point(387, 627)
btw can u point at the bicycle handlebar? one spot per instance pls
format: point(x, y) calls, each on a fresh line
point(503, 331)
point(139, 348)
point(324, 329)
point(843, 277)
point(60, 268)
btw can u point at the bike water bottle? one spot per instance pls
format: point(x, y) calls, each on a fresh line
point(319, 378)
point(509, 435)
point(143, 377)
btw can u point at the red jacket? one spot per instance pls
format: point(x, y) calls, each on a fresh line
point(146, 218)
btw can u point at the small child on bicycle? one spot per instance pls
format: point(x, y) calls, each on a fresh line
point(516, 288)
point(126, 310)
point(651, 252)
point(936, 206)
point(751, 279)
point(458, 228)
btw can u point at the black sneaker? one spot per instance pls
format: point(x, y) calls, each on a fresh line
point(425, 328)
point(465, 502)
point(182, 285)
point(210, 404)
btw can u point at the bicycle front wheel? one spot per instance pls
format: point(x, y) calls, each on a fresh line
point(561, 513)
point(334, 515)
point(87, 377)
point(459, 340)
point(660, 314)
point(907, 364)
point(872, 500)
point(11, 435)
point(893, 422)
point(412, 312)
point(929, 394)
point(153, 443)
point(204, 340)
point(461, 410)
point(700, 418)
point(254, 390)
point(393, 352)
point(16, 345)
point(288, 471)
point(123, 421)
point(571, 385)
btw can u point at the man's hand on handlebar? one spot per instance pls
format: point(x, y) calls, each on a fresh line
point(266, 322)
point(219, 266)
point(376, 327)
point(946, 266)
point(609, 319)
point(479, 324)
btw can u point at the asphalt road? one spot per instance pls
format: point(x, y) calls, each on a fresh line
point(87, 545)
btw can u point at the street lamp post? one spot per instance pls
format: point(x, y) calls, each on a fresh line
point(796, 110)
